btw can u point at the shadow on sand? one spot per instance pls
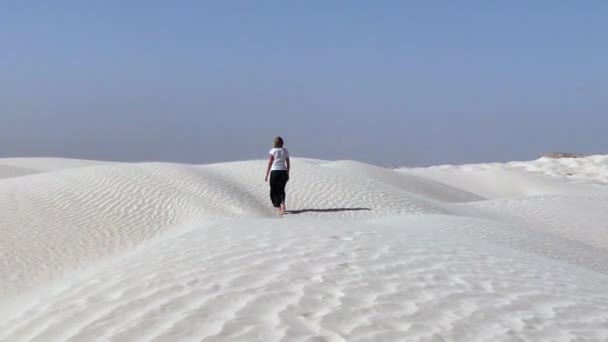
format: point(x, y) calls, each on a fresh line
point(327, 210)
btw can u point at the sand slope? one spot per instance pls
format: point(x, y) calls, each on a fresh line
point(168, 252)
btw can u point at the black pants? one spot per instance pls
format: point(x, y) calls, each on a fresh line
point(278, 180)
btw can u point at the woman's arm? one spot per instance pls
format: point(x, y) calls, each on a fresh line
point(270, 161)
point(288, 164)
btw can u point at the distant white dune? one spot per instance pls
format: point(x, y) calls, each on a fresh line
point(7, 171)
point(97, 251)
point(50, 164)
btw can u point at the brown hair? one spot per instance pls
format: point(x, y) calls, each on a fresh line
point(278, 142)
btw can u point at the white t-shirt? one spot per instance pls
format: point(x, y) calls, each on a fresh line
point(280, 159)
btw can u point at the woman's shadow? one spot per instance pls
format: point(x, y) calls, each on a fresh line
point(327, 210)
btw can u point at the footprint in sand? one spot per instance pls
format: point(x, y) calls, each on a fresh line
point(342, 238)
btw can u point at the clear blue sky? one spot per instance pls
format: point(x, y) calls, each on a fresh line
point(387, 82)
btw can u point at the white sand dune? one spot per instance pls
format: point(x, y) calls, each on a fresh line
point(7, 171)
point(50, 164)
point(97, 251)
point(589, 169)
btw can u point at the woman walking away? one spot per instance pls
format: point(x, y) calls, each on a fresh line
point(278, 168)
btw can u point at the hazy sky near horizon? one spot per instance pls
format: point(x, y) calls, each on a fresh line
point(387, 82)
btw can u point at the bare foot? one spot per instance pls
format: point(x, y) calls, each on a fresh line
point(282, 208)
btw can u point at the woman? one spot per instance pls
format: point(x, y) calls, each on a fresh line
point(278, 168)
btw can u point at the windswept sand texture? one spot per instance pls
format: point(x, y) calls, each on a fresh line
point(96, 251)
